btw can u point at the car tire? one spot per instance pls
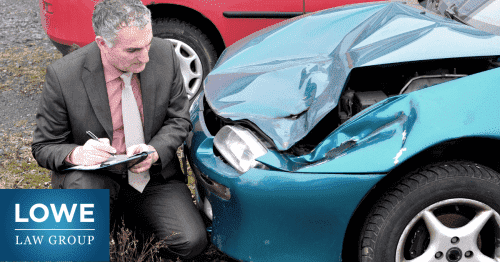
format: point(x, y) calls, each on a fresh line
point(197, 55)
point(442, 212)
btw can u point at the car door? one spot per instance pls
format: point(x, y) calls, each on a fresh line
point(247, 16)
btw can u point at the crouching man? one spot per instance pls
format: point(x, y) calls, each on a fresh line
point(127, 89)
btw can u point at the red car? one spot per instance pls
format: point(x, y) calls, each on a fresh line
point(200, 29)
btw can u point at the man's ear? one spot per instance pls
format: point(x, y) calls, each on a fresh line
point(101, 43)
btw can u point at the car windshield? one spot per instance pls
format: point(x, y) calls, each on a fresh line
point(481, 14)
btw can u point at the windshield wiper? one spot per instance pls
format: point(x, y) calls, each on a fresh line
point(451, 12)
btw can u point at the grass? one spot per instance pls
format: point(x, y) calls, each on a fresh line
point(28, 73)
point(18, 168)
point(124, 247)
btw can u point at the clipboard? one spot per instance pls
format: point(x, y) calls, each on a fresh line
point(118, 164)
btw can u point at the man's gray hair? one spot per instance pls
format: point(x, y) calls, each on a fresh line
point(109, 15)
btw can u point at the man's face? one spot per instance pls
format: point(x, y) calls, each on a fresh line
point(131, 48)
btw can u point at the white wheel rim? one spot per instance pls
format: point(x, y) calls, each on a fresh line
point(191, 69)
point(441, 236)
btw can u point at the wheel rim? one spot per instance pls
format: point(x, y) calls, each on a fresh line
point(453, 235)
point(191, 69)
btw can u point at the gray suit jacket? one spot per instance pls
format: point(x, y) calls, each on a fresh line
point(75, 100)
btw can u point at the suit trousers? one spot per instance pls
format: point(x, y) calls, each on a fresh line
point(164, 208)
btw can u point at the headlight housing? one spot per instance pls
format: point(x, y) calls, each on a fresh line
point(239, 147)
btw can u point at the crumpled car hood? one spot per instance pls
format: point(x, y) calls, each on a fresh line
point(286, 78)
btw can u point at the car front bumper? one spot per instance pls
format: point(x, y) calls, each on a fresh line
point(268, 215)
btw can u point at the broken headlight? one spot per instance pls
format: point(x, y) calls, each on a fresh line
point(239, 147)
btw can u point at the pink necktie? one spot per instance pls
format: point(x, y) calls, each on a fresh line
point(132, 126)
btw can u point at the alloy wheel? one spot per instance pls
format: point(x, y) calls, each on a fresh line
point(451, 230)
point(190, 63)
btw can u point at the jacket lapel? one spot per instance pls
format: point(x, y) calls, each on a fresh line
point(148, 89)
point(95, 84)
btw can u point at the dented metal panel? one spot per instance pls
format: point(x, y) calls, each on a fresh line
point(388, 133)
point(285, 79)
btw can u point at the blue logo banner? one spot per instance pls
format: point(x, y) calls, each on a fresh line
point(54, 225)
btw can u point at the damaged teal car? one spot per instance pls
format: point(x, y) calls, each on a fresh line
point(362, 133)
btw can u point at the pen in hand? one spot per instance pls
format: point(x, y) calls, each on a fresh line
point(91, 135)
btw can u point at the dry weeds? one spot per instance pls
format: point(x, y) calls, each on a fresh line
point(29, 73)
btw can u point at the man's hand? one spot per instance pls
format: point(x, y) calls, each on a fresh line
point(92, 152)
point(146, 164)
